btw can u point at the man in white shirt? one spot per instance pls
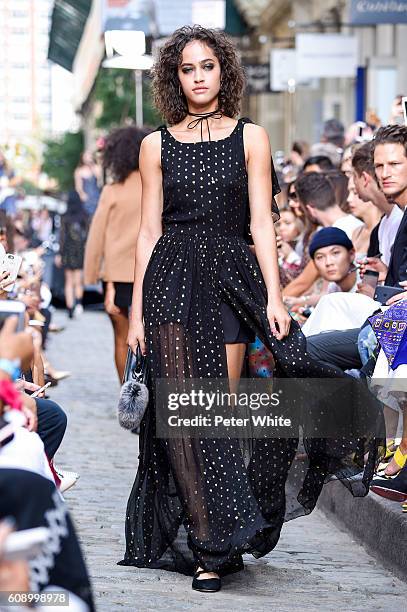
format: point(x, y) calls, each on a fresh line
point(317, 194)
point(368, 190)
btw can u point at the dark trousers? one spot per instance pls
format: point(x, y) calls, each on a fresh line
point(336, 348)
point(51, 425)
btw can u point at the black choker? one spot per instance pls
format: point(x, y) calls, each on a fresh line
point(201, 117)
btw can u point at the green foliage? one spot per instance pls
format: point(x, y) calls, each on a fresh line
point(30, 188)
point(61, 157)
point(115, 90)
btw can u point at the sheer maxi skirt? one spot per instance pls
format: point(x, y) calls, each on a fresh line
point(212, 500)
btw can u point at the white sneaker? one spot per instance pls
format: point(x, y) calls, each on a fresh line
point(68, 479)
point(78, 310)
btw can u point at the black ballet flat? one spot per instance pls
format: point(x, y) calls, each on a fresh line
point(206, 585)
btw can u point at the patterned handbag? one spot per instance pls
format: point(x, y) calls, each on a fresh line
point(134, 393)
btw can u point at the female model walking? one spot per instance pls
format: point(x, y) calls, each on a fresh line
point(111, 243)
point(198, 504)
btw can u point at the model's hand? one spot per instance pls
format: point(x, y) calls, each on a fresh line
point(279, 320)
point(136, 336)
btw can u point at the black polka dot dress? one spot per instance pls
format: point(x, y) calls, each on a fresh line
point(209, 501)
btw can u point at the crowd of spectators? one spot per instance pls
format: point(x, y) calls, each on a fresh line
point(33, 243)
point(342, 239)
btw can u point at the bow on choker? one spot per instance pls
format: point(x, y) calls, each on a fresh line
point(201, 117)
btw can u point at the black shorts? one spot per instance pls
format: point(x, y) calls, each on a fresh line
point(235, 330)
point(123, 294)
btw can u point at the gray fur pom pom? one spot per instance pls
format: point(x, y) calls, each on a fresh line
point(132, 404)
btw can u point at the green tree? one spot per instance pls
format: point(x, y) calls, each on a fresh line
point(61, 157)
point(115, 89)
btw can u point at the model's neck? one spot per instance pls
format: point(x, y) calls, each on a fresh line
point(347, 283)
point(204, 108)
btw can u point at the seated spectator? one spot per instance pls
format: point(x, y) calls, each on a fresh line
point(318, 195)
point(365, 184)
point(389, 379)
point(339, 182)
point(333, 254)
point(299, 153)
point(389, 149)
point(289, 230)
point(32, 501)
point(367, 212)
point(308, 275)
point(329, 150)
point(318, 163)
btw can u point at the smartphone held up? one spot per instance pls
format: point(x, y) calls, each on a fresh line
point(11, 265)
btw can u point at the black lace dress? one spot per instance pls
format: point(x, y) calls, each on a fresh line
point(211, 500)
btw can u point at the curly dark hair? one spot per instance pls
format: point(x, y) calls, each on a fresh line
point(168, 96)
point(121, 152)
point(394, 134)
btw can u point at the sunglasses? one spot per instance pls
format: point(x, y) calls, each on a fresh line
point(293, 196)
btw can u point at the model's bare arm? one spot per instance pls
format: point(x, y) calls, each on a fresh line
point(150, 229)
point(258, 153)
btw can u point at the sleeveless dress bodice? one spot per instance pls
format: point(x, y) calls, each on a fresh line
point(198, 178)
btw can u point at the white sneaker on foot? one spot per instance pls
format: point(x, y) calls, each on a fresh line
point(68, 479)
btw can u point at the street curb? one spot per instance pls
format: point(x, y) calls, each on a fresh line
point(375, 522)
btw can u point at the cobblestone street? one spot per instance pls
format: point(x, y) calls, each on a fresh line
point(316, 566)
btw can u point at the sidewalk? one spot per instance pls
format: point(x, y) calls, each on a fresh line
point(316, 567)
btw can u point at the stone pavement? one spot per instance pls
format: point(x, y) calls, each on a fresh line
point(316, 566)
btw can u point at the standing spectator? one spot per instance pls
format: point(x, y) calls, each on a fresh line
point(42, 225)
point(334, 133)
point(72, 245)
point(113, 233)
point(87, 178)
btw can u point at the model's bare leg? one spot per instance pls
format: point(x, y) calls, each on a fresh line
point(235, 355)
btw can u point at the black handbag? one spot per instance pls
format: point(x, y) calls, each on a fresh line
point(134, 393)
